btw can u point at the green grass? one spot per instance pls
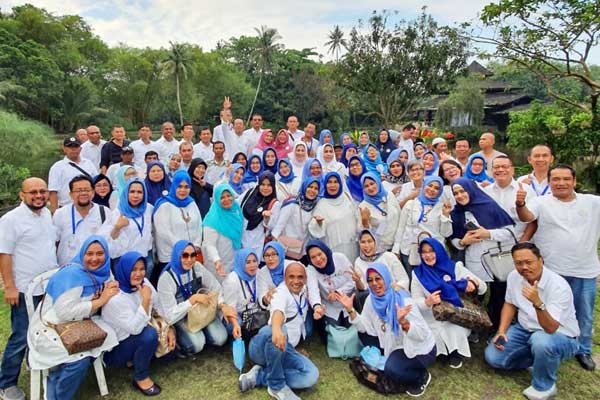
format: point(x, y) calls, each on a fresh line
point(213, 376)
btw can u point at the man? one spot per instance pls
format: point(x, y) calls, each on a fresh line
point(224, 115)
point(111, 151)
point(546, 329)
point(280, 367)
point(92, 148)
point(126, 159)
point(74, 224)
point(235, 141)
point(540, 158)
point(150, 156)
point(293, 131)
point(204, 148)
point(218, 165)
point(187, 133)
point(186, 150)
point(167, 145)
point(567, 235)
point(486, 144)
point(81, 135)
point(312, 144)
point(142, 146)
point(440, 146)
point(63, 171)
point(406, 142)
point(462, 150)
point(253, 133)
point(27, 249)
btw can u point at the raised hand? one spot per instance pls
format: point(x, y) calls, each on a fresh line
point(346, 301)
point(402, 312)
point(446, 208)
point(521, 195)
point(531, 293)
point(433, 298)
point(226, 103)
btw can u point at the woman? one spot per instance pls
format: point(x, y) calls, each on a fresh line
point(379, 211)
point(437, 279)
point(298, 157)
point(396, 176)
point(234, 178)
point(425, 215)
point(410, 190)
point(157, 182)
point(222, 229)
point(129, 313)
point(419, 149)
point(389, 318)
point(267, 279)
point(282, 144)
point(312, 168)
point(295, 214)
point(450, 170)
point(176, 216)
point(202, 191)
point(356, 170)
point(102, 190)
point(174, 164)
point(325, 137)
point(326, 156)
point(178, 288)
point(345, 139)
point(287, 183)
point(476, 170)
point(373, 160)
point(255, 168)
point(269, 160)
point(331, 215)
point(431, 163)
point(266, 140)
point(363, 141)
point(240, 158)
point(385, 145)
point(75, 292)
point(124, 174)
point(348, 151)
point(260, 209)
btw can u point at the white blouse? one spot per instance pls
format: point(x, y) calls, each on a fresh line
point(391, 261)
point(293, 222)
point(340, 281)
point(385, 227)
point(217, 247)
point(238, 293)
point(130, 238)
point(172, 223)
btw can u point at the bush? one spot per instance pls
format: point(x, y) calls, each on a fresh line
point(11, 183)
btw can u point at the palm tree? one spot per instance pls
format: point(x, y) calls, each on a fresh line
point(177, 64)
point(264, 52)
point(336, 42)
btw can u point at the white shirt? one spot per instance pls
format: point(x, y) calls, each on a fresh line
point(555, 293)
point(203, 151)
point(166, 148)
point(172, 227)
point(391, 261)
point(238, 293)
point(568, 233)
point(30, 240)
point(252, 136)
point(311, 147)
point(62, 172)
point(139, 152)
point(409, 146)
point(92, 152)
point(215, 172)
point(296, 135)
point(130, 238)
point(294, 308)
point(217, 247)
point(541, 188)
point(72, 229)
point(234, 143)
point(111, 173)
point(506, 197)
point(340, 281)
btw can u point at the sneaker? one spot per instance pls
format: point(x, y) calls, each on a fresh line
point(533, 394)
point(247, 381)
point(455, 360)
point(285, 393)
point(12, 393)
point(418, 391)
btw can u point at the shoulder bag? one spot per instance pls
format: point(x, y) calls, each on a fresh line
point(342, 342)
point(162, 329)
point(497, 261)
point(253, 317)
point(471, 316)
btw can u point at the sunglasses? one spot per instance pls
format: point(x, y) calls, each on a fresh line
point(187, 256)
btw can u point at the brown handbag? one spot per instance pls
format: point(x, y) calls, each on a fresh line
point(162, 329)
point(471, 316)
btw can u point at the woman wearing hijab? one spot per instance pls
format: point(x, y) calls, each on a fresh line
point(379, 211)
point(174, 164)
point(396, 175)
point(240, 158)
point(157, 182)
point(419, 148)
point(222, 229)
point(269, 160)
point(255, 168)
point(385, 145)
point(312, 168)
point(261, 210)
point(363, 141)
point(431, 163)
point(234, 178)
point(266, 140)
point(373, 160)
point(176, 217)
point(298, 157)
point(178, 288)
point(287, 183)
point(129, 313)
point(331, 215)
point(272, 276)
point(325, 136)
point(390, 318)
point(326, 156)
point(75, 292)
point(102, 190)
point(282, 144)
point(425, 215)
point(476, 170)
point(124, 174)
point(478, 224)
point(356, 170)
point(201, 191)
point(345, 139)
point(437, 279)
point(348, 151)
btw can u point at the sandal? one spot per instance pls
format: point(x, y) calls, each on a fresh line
point(154, 390)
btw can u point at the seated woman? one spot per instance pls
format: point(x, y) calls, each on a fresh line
point(406, 340)
point(157, 182)
point(476, 170)
point(178, 288)
point(287, 183)
point(129, 313)
point(254, 170)
point(439, 278)
point(267, 279)
point(75, 292)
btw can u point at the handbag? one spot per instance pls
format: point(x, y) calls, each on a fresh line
point(253, 317)
point(374, 378)
point(497, 261)
point(414, 258)
point(293, 247)
point(162, 329)
point(342, 342)
point(201, 315)
point(471, 316)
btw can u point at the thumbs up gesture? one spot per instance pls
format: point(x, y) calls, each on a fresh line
point(531, 293)
point(446, 208)
point(521, 195)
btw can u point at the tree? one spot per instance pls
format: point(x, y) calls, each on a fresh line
point(392, 70)
point(177, 63)
point(336, 42)
point(463, 107)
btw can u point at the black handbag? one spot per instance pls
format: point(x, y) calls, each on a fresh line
point(373, 378)
point(253, 317)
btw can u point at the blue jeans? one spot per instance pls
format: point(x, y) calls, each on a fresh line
point(192, 343)
point(16, 344)
point(280, 368)
point(64, 381)
point(523, 349)
point(408, 371)
point(584, 296)
point(138, 349)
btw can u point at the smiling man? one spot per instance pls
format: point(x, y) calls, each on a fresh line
point(540, 158)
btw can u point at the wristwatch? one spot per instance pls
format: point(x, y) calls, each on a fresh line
point(541, 307)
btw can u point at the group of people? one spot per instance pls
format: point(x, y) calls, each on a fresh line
point(283, 235)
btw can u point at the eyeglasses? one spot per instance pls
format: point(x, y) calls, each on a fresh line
point(187, 256)
point(82, 191)
point(43, 192)
point(94, 133)
point(270, 255)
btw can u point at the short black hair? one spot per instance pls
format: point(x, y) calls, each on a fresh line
point(408, 127)
point(461, 139)
point(562, 166)
point(150, 153)
point(526, 246)
point(218, 142)
point(187, 124)
point(502, 157)
point(144, 126)
point(80, 178)
point(203, 128)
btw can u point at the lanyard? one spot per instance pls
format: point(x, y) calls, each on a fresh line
point(140, 227)
point(253, 293)
point(423, 215)
point(73, 224)
point(298, 306)
point(532, 179)
point(186, 289)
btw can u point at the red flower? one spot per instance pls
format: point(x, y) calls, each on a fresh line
point(449, 135)
point(428, 146)
point(425, 133)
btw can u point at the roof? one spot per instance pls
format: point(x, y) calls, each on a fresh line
point(492, 99)
point(476, 68)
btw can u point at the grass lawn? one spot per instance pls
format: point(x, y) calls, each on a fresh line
point(213, 376)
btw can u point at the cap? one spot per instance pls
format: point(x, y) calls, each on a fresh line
point(126, 149)
point(437, 141)
point(71, 142)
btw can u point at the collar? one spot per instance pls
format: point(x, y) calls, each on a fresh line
point(69, 161)
point(30, 211)
point(512, 185)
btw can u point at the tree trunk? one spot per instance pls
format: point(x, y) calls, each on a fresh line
point(178, 99)
point(255, 97)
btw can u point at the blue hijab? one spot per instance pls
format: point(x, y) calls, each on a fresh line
point(277, 272)
point(228, 222)
point(156, 189)
point(237, 187)
point(178, 177)
point(442, 275)
point(385, 305)
point(340, 189)
point(127, 209)
point(290, 177)
point(249, 176)
point(121, 181)
point(343, 159)
point(342, 136)
point(436, 163)
point(123, 270)
point(239, 264)
point(273, 169)
point(77, 274)
point(323, 135)
point(395, 155)
point(426, 201)
point(381, 192)
point(329, 265)
point(486, 211)
point(373, 165)
point(480, 177)
point(300, 199)
point(306, 169)
point(385, 148)
point(354, 182)
point(176, 266)
point(422, 145)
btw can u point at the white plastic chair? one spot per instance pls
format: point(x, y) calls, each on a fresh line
point(37, 376)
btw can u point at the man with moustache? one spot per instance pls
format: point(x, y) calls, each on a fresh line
point(92, 148)
point(540, 158)
point(462, 151)
point(27, 249)
point(253, 133)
